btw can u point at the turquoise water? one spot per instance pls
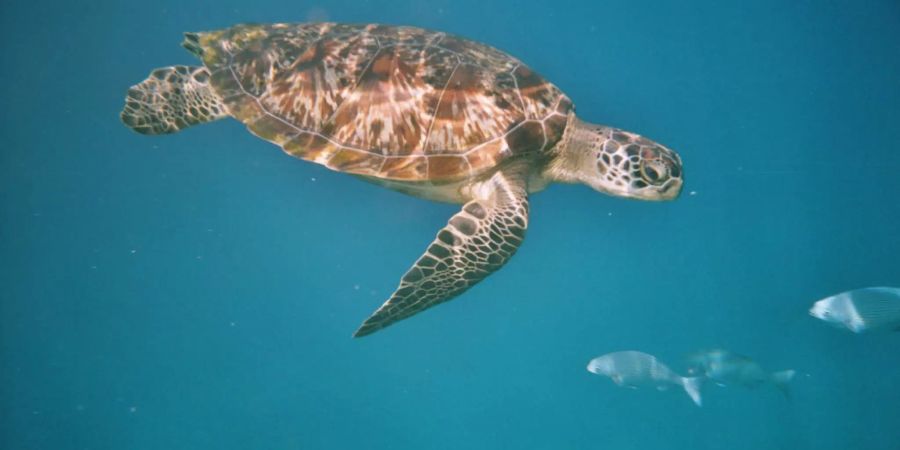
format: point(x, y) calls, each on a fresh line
point(199, 290)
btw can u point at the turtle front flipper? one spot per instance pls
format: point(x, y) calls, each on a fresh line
point(170, 99)
point(477, 241)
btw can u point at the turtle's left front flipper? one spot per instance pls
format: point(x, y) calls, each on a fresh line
point(476, 241)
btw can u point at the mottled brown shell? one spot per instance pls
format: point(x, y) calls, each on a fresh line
point(399, 103)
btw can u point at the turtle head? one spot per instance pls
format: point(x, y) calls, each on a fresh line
point(632, 166)
point(617, 162)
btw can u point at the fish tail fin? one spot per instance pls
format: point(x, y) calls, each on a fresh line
point(692, 387)
point(782, 381)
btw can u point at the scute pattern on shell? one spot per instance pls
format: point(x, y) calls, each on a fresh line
point(399, 103)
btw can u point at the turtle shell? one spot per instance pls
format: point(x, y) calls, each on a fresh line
point(398, 103)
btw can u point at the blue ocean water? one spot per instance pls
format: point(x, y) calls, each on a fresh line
point(199, 290)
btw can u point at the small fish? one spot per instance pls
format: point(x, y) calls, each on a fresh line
point(633, 369)
point(727, 368)
point(861, 310)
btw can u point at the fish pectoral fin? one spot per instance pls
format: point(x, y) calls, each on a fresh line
point(476, 242)
point(782, 381)
point(692, 387)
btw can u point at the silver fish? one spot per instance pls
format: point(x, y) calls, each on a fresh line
point(727, 368)
point(635, 369)
point(861, 310)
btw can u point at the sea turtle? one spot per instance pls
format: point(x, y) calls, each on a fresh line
point(426, 113)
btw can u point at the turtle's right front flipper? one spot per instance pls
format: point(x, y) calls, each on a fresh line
point(170, 99)
point(476, 242)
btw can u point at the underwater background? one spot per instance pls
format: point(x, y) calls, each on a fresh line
point(199, 290)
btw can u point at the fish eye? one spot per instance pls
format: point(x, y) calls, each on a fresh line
point(654, 172)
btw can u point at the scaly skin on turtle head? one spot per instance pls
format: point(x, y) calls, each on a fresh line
point(616, 162)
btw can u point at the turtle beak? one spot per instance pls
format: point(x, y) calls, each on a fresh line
point(668, 191)
point(671, 189)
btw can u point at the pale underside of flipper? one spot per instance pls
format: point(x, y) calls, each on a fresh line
point(170, 99)
point(477, 241)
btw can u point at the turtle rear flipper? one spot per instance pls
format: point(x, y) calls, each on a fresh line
point(170, 99)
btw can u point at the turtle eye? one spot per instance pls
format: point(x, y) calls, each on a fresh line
point(654, 172)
